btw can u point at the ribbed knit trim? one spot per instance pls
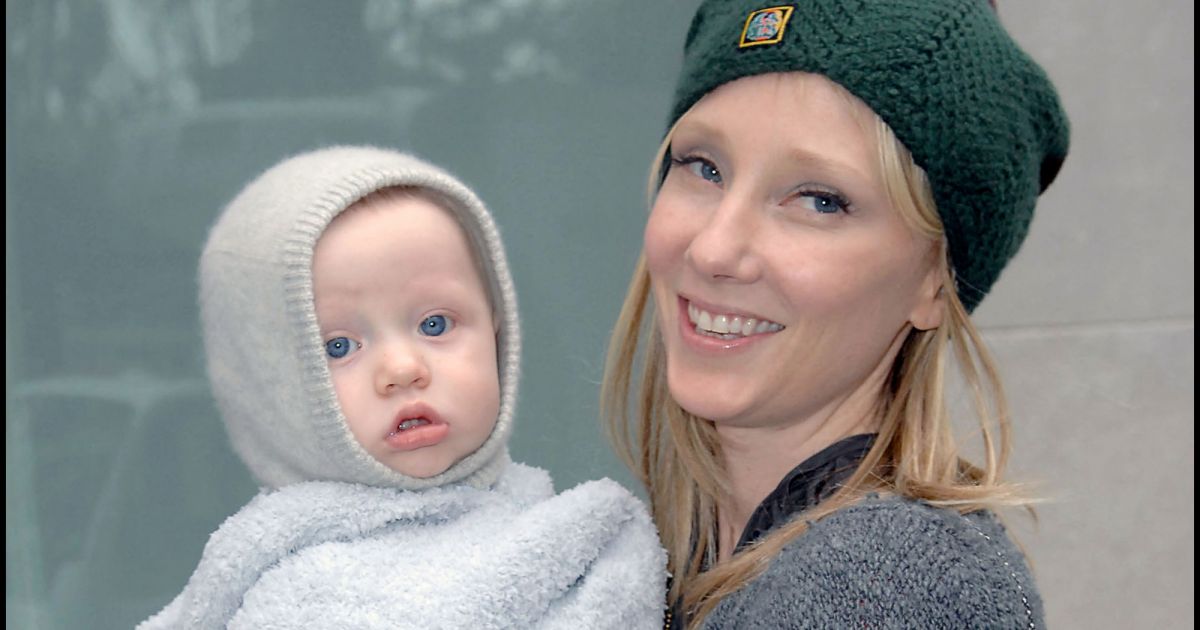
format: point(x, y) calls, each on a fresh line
point(346, 460)
point(977, 114)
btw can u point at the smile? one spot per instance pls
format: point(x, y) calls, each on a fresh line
point(729, 325)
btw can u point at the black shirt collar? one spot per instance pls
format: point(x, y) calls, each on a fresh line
point(806, 485)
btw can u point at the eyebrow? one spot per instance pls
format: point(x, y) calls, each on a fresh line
point(797, 155)
point(820, 162)
point(341, 293)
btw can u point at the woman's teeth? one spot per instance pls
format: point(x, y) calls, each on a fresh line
point(728, 326)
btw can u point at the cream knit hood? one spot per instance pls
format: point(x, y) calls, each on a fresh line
point(265, 357)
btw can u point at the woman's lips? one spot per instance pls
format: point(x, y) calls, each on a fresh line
point(708, 343)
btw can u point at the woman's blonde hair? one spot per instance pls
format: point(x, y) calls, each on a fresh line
point(676, 455)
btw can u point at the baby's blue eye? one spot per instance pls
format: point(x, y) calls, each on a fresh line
point(434, 325)
point(339, 347)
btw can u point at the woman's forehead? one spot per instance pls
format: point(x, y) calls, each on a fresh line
point(794, 95)
point(803, 118)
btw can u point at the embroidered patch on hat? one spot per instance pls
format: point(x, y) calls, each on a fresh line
point(765, 26)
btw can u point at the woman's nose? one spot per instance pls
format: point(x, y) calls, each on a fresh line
point(723, 248)
point(400, 368)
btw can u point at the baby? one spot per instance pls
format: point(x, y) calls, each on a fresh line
point(362, 339)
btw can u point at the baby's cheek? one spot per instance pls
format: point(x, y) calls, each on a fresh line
point(351, 394)
point(489, 398)
point(486, 406)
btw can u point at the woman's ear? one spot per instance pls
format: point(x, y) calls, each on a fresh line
point(930, 306)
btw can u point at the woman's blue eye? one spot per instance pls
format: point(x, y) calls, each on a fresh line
point(701, 168)
point(705, 170)
point(339, 347)
point(434, 325)
point(824, 202)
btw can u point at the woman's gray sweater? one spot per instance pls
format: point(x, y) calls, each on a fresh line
point(891, 562)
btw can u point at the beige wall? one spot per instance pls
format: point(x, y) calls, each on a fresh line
point(1094, 322)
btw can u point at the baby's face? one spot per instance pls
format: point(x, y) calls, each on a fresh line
point(409, 333)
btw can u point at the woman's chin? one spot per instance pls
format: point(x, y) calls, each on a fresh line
point(709, 404)
point(710, 396)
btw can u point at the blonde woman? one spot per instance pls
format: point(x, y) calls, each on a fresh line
point(840, 185)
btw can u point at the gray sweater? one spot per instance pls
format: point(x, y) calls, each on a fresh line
point(891, 562)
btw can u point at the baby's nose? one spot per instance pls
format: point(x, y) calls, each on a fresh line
point(401, 367)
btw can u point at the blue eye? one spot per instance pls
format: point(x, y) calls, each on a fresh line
point(824, 202)
point(339, 347)
point(435, 325)
point(701, 168)
point(706, 171)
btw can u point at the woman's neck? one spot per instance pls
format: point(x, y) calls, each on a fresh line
point(757, 458)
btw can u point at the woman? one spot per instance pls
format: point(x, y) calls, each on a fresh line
point(842, 182)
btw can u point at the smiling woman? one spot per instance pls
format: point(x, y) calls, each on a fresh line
point(789, 226)
point(839, 188)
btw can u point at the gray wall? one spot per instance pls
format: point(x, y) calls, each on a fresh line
point(131, 123)
point(1094, 322)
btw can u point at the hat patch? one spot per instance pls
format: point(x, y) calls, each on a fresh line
point(765, 26)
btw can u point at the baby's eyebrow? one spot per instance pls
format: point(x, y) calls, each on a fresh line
point(344, 290)
point(333, 317)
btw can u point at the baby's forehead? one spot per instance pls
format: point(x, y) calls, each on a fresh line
point(390, 197)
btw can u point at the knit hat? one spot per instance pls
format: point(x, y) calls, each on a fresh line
point(977, 114)
point(266, 358)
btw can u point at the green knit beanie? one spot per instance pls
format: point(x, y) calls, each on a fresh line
point(977, 114)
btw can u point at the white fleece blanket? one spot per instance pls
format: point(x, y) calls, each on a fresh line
point(337, 555)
